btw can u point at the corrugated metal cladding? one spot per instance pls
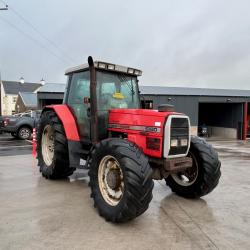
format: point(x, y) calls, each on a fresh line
point(222, 111)
point(188, 100)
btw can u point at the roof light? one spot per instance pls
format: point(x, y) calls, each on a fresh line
point(111, 66)
point(101, 65)
point(130, 71)
point(137, 72)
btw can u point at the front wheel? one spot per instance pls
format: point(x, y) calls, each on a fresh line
point(120, 180)
point(202, 177)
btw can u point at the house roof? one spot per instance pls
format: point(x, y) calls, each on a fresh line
point(53, 88)
point(29, 99)
point(13, 88)
point(162, 90)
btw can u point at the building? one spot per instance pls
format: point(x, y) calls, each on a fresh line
point(26, 101)
point(9, 91)
point(225, 112)
point(50, 93)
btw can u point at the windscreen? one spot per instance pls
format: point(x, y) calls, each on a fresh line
point(114, 91)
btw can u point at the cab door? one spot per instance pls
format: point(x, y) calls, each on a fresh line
point(77, 98)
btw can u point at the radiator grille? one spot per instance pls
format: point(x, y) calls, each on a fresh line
point(179, 129)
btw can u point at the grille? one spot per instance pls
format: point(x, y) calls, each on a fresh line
point(179, 129)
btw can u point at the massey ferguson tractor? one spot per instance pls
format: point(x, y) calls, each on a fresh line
point(123, 146)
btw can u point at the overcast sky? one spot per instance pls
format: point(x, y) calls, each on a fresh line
point(174, 42)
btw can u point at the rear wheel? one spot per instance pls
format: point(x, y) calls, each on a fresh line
point(120, 180)
point(202, 177)
point(24, 133)
point(52, 147)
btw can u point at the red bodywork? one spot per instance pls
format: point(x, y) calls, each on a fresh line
point(140, 124)
point(248, 125)
point(246, 122)
point(68, 120)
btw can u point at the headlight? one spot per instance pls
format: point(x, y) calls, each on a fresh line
point(174, 143)
point(184, 142)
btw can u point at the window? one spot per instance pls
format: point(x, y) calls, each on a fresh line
point(116, 91)
point(14, 99)
point(79, 89)
point(147, 104)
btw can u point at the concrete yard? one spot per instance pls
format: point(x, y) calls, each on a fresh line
point(39, 214)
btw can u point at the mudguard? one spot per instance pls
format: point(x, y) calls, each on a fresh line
point(70, 127)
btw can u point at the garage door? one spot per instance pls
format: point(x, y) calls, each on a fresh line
point(222, 120)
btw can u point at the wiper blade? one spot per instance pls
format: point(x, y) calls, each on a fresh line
point(125, 80)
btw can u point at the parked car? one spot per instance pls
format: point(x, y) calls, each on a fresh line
point(1, 123)
point(21, 125)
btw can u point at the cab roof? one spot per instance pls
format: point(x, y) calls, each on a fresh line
point(107, 67)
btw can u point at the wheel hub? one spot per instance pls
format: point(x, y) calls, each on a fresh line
point(110, 180)
point(48, 145)
point(25, 133)
point(189, 176)
point(113, 179)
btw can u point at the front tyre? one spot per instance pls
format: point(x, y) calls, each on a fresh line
point(202, 177)
point(52, 147)
point(120, 180)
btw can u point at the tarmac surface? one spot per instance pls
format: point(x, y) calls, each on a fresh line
point(11, 146)
point(36, 213)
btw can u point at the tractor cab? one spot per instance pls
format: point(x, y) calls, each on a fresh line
point(97, 87)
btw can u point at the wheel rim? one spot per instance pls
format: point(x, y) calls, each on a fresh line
point(48, 145)
point(24, 133)
point(110, 179)
point(189, 176)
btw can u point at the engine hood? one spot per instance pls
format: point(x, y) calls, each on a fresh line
point(147, 112)
point(139, 117)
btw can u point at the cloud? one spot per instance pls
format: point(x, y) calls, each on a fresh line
point(175, 43)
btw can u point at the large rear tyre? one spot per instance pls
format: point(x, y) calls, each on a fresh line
point(202, 177)
point(120, 180)
point(52, 147)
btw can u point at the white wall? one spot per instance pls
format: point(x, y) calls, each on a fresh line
point(227, 133)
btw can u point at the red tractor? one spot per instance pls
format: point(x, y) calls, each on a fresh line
point(124, 147)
